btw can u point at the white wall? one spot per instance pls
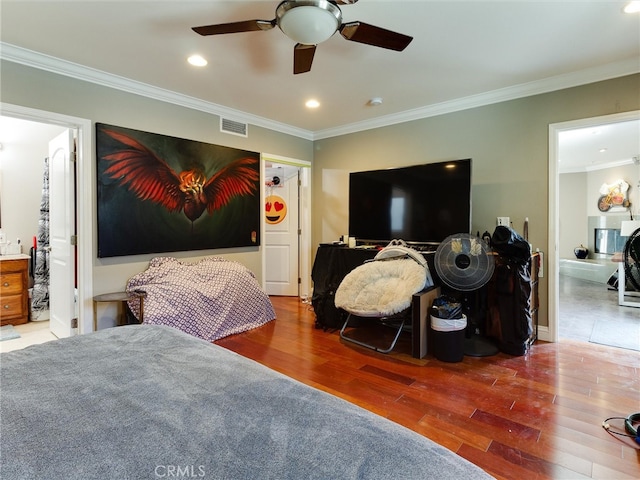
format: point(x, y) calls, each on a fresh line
point(573, 205)
point(629, 173)
point(25, 145)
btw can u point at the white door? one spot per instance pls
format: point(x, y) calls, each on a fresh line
point(281, 232)
point(61, 228)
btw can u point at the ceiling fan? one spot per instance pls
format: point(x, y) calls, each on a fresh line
point(310, 22)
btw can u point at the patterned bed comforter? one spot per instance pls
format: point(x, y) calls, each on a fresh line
point(209, 299)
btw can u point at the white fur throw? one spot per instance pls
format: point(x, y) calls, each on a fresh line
point(381, 287)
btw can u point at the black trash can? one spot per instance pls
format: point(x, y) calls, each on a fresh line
point(448, 338)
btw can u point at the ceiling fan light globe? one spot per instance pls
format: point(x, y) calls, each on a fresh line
point(308, 23)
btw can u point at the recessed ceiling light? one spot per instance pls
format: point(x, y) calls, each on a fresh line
point(602, 150)
point(375, 101)
point(312, 103)
point(197, 61)
point(632, 7)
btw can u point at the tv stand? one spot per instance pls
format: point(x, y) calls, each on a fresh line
point(424, 247)
point(419, 246)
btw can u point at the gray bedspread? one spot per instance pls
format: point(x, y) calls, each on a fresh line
point(146, 402)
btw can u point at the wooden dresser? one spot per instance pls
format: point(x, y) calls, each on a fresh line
point(14, 294)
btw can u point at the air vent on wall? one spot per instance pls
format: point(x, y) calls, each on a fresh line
point(233, 127)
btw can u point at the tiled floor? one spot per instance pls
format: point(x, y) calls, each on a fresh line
point(30, 334)
point(581, 304)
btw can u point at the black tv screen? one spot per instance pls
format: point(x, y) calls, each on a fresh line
point(421, 203)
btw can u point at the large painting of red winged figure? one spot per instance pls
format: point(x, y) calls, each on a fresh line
point(158, 193)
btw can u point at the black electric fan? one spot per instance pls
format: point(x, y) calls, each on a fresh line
point(465, 264)
point(632, 260)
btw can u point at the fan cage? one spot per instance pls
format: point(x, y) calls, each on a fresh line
point(464, 263)
point(632, 260)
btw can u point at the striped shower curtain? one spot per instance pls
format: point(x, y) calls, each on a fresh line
point(40, 296)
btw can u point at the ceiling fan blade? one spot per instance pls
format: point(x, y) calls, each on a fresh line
point(303, 57)
point(376, 36)
point(235, 27)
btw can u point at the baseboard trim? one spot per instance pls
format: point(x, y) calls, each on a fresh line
point(544, 334)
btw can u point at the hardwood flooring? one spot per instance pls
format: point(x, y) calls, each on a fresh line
point(538, 416)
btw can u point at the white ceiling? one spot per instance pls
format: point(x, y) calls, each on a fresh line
point(596, 147)
point(464, 53)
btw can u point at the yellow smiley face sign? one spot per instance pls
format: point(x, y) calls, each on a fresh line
point(275, 209)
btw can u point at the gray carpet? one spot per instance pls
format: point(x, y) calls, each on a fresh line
point(617, 332)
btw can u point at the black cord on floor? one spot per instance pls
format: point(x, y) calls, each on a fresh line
point(629, 431)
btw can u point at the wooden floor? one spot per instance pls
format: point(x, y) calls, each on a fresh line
point(533, 417)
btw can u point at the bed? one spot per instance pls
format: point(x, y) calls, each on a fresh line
point(147, 401)
point(209, 299)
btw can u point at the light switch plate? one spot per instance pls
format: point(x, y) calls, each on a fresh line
point(504, 221)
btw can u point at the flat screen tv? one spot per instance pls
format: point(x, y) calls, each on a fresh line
point(420, 203)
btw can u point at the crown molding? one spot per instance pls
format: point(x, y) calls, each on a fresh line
point(574, 79)
point(51, 64)
point(595, 168)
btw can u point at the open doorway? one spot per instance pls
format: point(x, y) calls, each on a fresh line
point(83, 172)
point(287, 226)
point(577, 168)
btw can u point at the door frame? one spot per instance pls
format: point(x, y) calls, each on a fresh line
point(84, 209)
point(554, 220)
point(304, 219)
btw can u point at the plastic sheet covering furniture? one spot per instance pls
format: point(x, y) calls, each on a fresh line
point(331, 265)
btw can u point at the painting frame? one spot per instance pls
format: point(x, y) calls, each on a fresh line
point(160, 194)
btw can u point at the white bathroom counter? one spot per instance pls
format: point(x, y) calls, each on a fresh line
point(15, 256)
